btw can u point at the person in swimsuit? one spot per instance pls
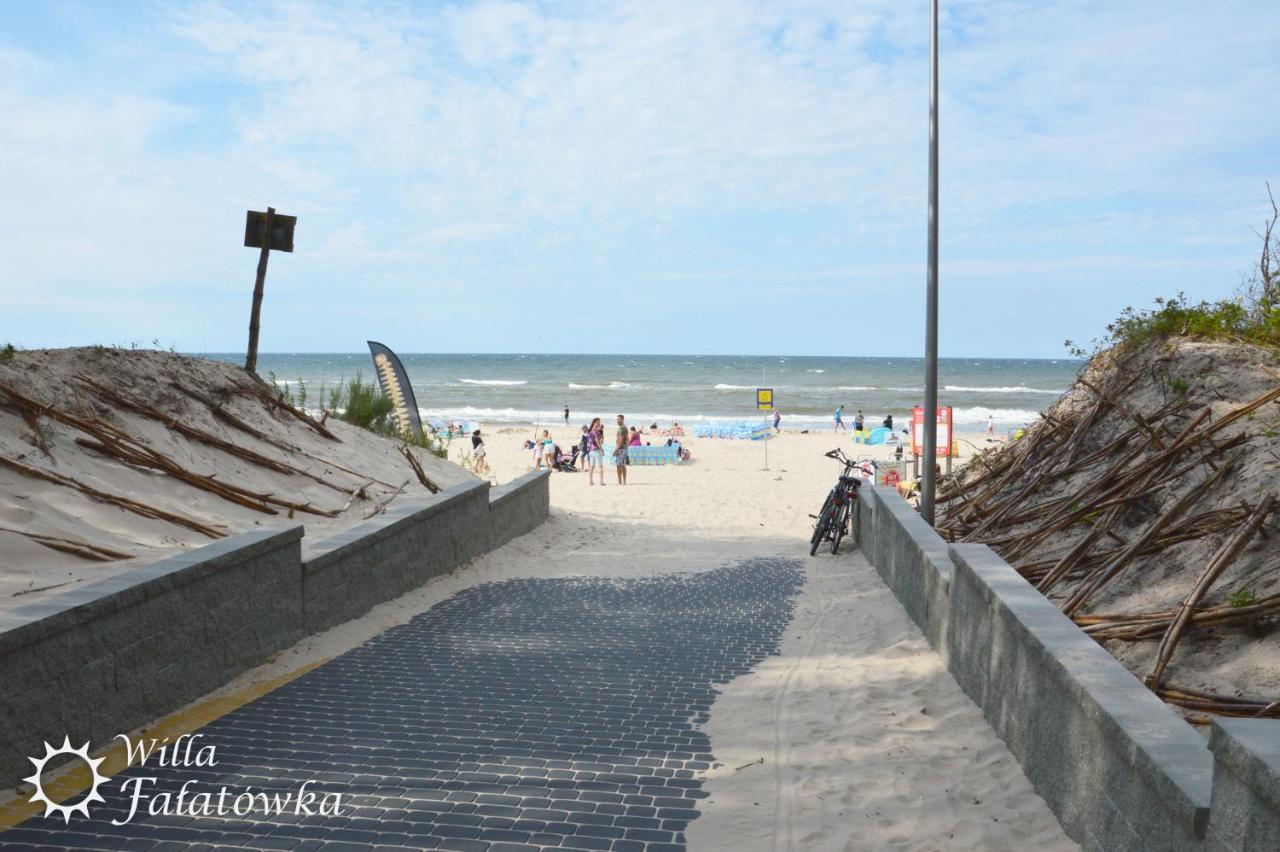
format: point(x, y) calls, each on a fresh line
point(620, 450)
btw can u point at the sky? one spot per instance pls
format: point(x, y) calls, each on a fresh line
point(638, 177)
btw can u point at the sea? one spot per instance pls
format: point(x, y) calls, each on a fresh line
point(532, 389)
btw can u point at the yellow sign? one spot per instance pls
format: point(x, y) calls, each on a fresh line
point(764, 399)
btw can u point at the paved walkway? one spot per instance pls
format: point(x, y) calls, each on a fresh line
point(540, 713)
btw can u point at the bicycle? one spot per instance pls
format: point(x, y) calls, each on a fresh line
point(833, 519)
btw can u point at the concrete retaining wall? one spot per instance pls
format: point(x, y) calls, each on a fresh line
point(1119, 768)
point(909, 556)
point(1246, 784)
point(110, 656)
point(518, 507)
point(346, 575)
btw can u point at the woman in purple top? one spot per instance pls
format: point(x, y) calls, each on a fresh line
point(595, 451)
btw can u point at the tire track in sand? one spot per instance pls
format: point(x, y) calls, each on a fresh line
point(785, 804)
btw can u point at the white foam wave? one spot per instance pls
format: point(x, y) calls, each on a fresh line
point(874, 388)
point(978, 414)
point(1000, 389)
point(972, 418)
point(499, 382)
point(550, 417)
point(723, 386)
point(610, 386)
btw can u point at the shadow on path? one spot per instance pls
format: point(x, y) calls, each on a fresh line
point(536, 713)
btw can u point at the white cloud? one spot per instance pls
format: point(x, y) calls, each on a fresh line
point(493, 142)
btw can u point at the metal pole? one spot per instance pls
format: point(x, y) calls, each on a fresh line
point(251, 359)
point(928, 481)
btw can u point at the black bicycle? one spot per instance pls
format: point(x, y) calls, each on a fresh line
point(833, 519)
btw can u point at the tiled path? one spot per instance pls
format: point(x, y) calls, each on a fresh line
point(559, 714)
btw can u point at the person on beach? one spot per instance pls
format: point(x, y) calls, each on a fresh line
point(620, 450)
point(991, 425)
point(859, 422)
point(548, 450)
point(676, 431)
point(635, 440)
point(583, 449)
point(888, 421)
point(595, 451)
point(566, 414)
point(479, 462)
point(840, 418)
point(777, 418)
point(540, 451)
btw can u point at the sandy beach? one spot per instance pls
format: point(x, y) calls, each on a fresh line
point(854, 737)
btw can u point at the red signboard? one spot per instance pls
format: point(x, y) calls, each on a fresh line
point(944, 431)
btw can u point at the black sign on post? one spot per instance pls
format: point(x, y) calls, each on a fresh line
point(256, 228)
point(255, 225)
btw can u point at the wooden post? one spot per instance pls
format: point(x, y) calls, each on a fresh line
point(251, 360)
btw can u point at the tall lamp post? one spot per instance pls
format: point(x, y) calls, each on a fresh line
point(928, 482)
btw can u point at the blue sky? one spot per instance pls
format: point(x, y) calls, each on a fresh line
point(710, 177)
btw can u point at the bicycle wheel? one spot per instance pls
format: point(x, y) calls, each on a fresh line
point(839, 526)
point(819, 533)
point(823, 526)
point(820, 527)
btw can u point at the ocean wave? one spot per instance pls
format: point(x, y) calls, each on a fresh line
point(610, 386)
point(978, 414)
point(969, 418)
point(556, 417)
point(815, 371)
point(723, 386)
point(875, 388)
point(1001, 389)
point(501, 382)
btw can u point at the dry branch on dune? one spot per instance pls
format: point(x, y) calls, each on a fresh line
point(135, 506)
point(1137, 504)
point(131, 402)
point(108, 455)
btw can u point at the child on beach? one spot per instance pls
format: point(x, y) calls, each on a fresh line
point(840, 418)
point(583, 447)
